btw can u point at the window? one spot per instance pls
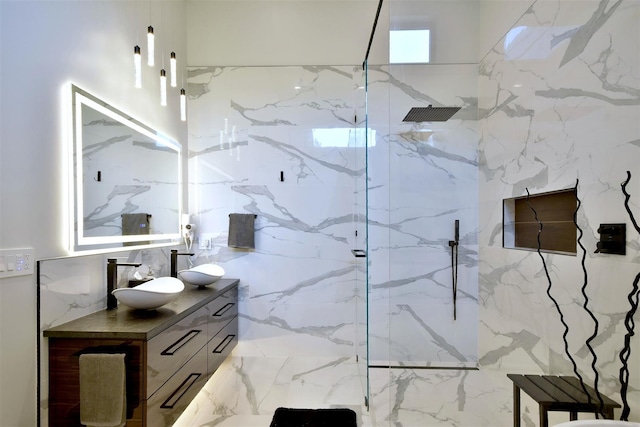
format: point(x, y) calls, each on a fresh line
point(555, 211)
point(343, 137)
point(409, 46)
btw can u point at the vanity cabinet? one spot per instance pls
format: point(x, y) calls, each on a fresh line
point(224, 330)
point(170, 353)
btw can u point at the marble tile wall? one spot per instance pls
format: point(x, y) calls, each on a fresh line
point(248, 124)
point(302, 291)
point(422, 178)
point(248, 127)
point(559, 101)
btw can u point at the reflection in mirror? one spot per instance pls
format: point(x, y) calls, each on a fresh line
point(127, 188)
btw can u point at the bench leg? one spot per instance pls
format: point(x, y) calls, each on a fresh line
point(544, 417)
point(573, 416)
point(516, 405)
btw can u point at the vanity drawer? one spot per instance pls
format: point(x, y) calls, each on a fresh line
point(222, 310)
point(166, 405)
point(221, 345)
point(173, 347)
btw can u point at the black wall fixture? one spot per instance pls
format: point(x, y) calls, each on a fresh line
point(613, 239)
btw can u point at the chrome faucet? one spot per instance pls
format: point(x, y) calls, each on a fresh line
point(112, 280)
point(174, 262)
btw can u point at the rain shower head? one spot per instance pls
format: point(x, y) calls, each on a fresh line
point(430, 114)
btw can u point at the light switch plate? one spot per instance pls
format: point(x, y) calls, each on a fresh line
point(16, 262)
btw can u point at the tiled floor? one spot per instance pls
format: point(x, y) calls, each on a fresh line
point(246, 390)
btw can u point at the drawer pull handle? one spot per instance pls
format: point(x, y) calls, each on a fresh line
point(225, 342)
point(173, 348)
point(180, 391)
point(223, 310)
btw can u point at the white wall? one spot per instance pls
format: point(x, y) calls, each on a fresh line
point(288, 32)
point(496, 19)
point(329, 32)
point(45, 45)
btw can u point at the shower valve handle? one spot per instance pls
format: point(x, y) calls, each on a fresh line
point(457, 232)
point(454, 242)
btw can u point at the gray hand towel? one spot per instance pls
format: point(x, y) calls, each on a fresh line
point(102, 390)
point(241, 231)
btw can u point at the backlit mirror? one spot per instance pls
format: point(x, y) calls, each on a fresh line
point(126, 179)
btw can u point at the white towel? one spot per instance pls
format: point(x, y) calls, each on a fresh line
point(103, 399)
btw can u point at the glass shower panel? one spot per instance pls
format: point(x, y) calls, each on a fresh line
point(359, 219)
point(432, 185)
point(378, 222)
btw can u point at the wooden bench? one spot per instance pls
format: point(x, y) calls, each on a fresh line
point(558, 393)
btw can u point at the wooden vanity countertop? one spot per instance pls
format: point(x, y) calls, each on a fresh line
point(127, 323)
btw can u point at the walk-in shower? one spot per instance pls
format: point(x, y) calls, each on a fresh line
point(421, 218)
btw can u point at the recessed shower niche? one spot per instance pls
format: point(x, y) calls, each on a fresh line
point(523, 217)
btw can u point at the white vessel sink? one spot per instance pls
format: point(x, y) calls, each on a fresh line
point(202, 275)
point(152, 294)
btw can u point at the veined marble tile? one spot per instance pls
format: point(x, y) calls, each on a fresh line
point(423, 178)
point(249, 389)
point(559, 102)
point(325, 382)
point(405, 397)
point(299, 285)
point(282, 333)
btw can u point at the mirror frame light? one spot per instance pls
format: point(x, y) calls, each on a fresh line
point(78, 241)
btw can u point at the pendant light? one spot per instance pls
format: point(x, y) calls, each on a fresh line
point(137, 66)
point(163, 87)
point(183, 105)
point(150, 46)
point(183, 96)
point(173, 65)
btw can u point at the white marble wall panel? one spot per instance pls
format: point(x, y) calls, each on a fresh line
point(247, 125)
point(419, 398)
point(246, 390)
point(559, 102)
point(423, 176)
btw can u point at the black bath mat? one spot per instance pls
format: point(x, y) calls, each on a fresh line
point(340, 417)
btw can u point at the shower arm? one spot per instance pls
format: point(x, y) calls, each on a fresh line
point(453, 244)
